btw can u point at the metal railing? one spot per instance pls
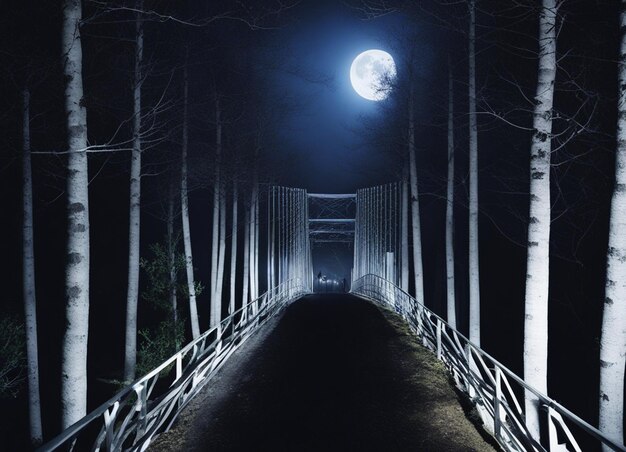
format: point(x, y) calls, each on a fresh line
point(495, 390)
point(133, 417)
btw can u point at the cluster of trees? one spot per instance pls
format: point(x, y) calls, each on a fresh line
point(551, 127)
point(161, 92)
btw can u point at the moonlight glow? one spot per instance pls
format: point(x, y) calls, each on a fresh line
point(369, 72)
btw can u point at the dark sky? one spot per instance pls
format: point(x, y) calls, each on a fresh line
point(326, 135)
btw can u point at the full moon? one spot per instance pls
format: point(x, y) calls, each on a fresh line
point(370, 72)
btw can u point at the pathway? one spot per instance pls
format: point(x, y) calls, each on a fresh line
point(332, 373)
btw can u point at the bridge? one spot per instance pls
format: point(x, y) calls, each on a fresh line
point(369, 221)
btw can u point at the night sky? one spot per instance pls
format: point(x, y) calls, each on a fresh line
point(326, 132)
point(285, 88)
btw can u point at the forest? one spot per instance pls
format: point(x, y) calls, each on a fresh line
point(141, 141)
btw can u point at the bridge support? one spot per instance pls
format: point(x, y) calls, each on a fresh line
point(289, 248)
point(377, 232)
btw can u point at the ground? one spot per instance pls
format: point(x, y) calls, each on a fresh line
point(333, 373)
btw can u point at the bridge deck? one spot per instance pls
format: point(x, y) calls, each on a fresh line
point(332, 373)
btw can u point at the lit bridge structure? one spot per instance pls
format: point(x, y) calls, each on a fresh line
point(369, 220)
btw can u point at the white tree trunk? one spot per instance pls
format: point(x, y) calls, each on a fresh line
point(474, 262)
point(233, 250)
point(613, 336)
point(254, 229)
point(28, 275)
point(217, 307)
point(74, 360)
point(252, 241)
point(269, 243)
point(219, 212)
point(130, 356)
point(415, 207)
point(184, 213)
point(537, 269)
point(450, 281)
point(256, 241)
point(404, 275)
point(246, 258)
point(171, 252)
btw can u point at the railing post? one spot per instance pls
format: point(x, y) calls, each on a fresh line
point(553, 444)
point(142, 401)
point(438, 338)
point(109, 426)
point(471, 366)
point(420, 322)
point(218, 338)
point(496, 404)
point(179, 366)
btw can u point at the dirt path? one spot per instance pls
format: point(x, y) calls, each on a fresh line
point(334, 373)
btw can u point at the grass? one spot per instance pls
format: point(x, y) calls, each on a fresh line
point(443, 406)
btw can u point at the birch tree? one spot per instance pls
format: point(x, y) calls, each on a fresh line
point(74, 359)
point(538, 259)
point(254, 228)
point(184, 213)
point(171, 252)
point(251, 250)
point(246, 258)
point(405, 231)
point(28, 281)
point(415, 208)
point(613, 335)
point(474, 262)
point(233, 248)
point(130, 356)
point(450, 280)
point(218, 241)
point(216, 308)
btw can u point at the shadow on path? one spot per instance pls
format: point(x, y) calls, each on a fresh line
point(334, 373)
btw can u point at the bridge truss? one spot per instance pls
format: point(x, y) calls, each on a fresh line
point(331, 218)
point(377, 235)
point(288, 238)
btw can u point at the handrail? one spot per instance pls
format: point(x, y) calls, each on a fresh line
point(133, 417)
point(482, 377)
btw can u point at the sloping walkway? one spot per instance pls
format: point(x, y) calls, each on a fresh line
point(333, 373)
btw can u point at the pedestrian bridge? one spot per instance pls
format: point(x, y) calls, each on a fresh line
point(336, 372)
